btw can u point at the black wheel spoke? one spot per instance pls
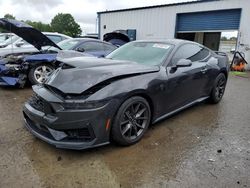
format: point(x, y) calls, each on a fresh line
point(130, 132)
point(126, 130)
point(136, 131)
point(138, 125)
point(132, 109)
point(124, 122)
point(127, 115)
point(141, 118)
point(137, 107)
point(140, 112)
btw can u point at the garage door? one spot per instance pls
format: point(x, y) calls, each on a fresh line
point(211, 20)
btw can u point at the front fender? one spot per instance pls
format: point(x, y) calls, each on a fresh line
point(34, 60)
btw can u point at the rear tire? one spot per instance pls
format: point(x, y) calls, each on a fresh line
point(131, 121)
point(39, 73)
point(218, 89)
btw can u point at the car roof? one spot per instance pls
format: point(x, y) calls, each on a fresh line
point(7, 34)
point(58, 34)
point(90, 39)
point(175, 42)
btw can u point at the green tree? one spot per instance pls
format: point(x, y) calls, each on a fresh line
point(65, 23)
point(9, 16)
point(40, 26)
point(6, 16)
point(233, 38)
point(223, 38)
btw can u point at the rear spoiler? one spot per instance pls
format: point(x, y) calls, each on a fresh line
point(220, 53)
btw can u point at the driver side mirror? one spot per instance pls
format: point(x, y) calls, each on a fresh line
point(19, 44)
point(184, 63)
point(181, 63)
point(80, 49)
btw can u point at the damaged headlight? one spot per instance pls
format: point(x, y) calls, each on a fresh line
point(3, 46)
point(13, 66)
point(84, 105)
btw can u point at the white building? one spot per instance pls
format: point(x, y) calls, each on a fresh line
point(202, 21)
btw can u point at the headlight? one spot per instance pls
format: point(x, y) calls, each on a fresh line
point(14, 66)
point(84, 105)
point(3, 46)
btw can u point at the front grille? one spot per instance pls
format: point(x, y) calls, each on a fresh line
point(40, 104)
point(79, 134)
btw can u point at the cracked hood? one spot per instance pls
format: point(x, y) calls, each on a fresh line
point(89, 71)
point(28, 33)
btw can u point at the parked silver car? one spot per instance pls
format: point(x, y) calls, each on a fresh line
point(7, 39)
point(17, 44)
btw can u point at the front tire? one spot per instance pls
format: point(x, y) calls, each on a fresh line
point(39, 73)
point(218, 89)
point(131, 121)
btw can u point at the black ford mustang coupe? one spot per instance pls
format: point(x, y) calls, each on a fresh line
point(90, 101)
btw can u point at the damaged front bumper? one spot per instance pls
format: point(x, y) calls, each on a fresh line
point(64, 128)
point(10, 76)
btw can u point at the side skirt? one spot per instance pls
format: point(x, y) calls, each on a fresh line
point(180, 109)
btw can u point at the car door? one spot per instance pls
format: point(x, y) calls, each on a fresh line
point(185, 84)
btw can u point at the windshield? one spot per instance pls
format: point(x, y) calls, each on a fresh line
point(147, 53)
point(2, 38)
point(68, 44)
point(11, 40)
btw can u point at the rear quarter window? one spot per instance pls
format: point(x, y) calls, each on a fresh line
point(192, 52)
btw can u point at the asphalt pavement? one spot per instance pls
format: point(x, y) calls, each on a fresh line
point(203, 146)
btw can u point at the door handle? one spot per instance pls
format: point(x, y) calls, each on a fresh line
point(204, 70)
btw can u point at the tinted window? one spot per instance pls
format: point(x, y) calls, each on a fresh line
point(190, 51)
point(55, 38)
point(109, 48)
point(68, 44)
point(147, 53)
point(92, 46)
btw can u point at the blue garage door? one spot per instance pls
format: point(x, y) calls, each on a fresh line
point(211, 20)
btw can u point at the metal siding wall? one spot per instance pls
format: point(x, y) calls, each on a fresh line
point(160, 23)
point(212, 20)
point(149, 24)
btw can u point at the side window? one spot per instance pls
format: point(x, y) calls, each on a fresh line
point(190, 51)
point(63, 38)
point(24, 42)
point(109, 48)
point(55, 38)
point(92, 46)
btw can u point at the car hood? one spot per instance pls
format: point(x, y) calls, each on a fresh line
point(50, 57)
point(90, 71)
point(28, 33)
point(17, 51)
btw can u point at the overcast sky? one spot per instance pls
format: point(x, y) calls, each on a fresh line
point(84, 11)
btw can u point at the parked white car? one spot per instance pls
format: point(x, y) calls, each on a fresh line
point(7, 38)
point(18, 45)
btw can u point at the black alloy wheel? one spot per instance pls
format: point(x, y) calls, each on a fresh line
point(132, 121)
point(218, 89)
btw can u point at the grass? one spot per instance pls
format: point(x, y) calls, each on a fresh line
point(241, 74)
